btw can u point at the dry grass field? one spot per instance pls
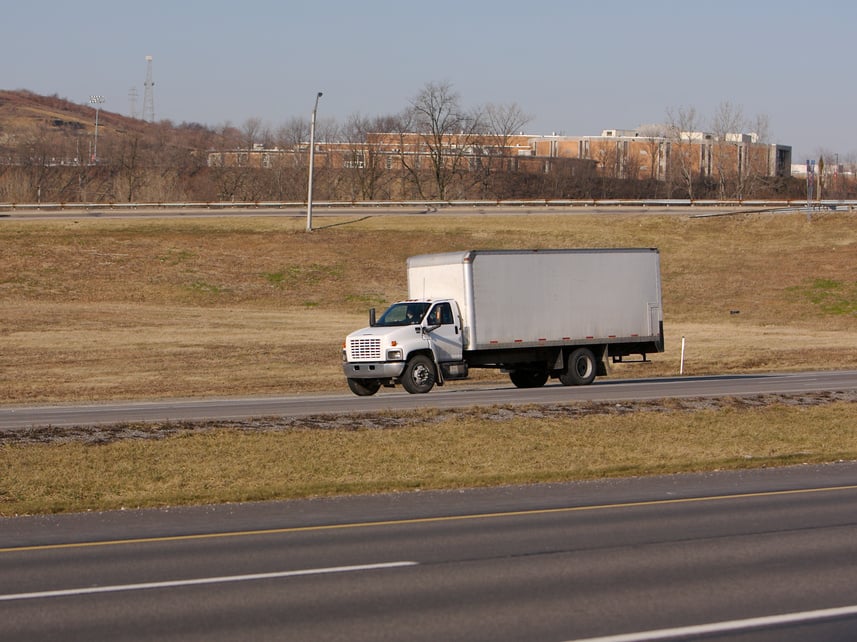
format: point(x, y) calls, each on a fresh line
point(96, 309)
point(100, 308)
point(424, 450)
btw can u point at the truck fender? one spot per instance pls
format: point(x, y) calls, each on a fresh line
point(426, 330)
point(419, 385)
point(601, 355)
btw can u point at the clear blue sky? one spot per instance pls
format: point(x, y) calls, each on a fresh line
point(577, 67)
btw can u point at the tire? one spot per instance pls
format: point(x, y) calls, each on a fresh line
point(581, 368)
point(528, 378)
point(364, 387)
point(419, 376)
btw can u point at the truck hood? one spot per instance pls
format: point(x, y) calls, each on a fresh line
point(386, 333)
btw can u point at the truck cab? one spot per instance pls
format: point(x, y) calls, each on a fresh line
point(418, 343)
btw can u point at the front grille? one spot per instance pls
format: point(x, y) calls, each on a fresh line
point(363, 349)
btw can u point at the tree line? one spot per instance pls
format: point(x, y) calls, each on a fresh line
point(54, 161)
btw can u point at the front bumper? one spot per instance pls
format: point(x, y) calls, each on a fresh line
point(373, 370)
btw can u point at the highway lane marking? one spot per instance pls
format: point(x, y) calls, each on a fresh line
point(423, 520)
point(202, 581)
point(728, 626)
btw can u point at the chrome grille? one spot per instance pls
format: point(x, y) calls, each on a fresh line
point(362, 349)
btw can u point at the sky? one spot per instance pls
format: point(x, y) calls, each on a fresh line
point(576, 67)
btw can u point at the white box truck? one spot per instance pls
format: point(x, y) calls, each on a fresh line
point(535, 314)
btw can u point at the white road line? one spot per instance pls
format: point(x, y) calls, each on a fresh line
point(724, 627)
point(200, 581)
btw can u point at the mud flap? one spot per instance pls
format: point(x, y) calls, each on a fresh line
point(439, 379)
point(603, 362)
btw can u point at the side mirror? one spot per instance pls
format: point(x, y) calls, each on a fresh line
point(372, 317)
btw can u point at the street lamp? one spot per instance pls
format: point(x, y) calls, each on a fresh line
point(97, 101)
point(311, 159)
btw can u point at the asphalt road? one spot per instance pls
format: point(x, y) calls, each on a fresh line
point(20, 417)
point(752, 555)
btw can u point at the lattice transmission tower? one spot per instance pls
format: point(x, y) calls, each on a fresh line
point(149, 93)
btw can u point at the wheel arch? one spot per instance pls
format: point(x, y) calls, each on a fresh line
point(427, 352)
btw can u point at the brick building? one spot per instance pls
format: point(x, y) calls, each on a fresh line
point(623, 154)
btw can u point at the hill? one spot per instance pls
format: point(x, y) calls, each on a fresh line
point(26, 114)
point(23, 112)
point(49, 153)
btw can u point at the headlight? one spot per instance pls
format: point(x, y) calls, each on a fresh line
point(394, 355)
point(344, 356)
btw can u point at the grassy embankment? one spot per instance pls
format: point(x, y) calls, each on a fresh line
point(100, 309)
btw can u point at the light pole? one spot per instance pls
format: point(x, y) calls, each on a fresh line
point(97, 101)
point(311, 159)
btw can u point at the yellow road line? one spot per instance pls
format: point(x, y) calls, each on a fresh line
point(423, 520)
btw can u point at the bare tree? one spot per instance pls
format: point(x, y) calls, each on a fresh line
point(130, 169)
point(288, 166)
point(740, 162)
point(231, 178)
point(654, 137)
point(38, 154)
point(728, 152)
point(760, 164)
point(255, 132)
point(501, 123)
point(292, 134)
point(327, 179)
point(250, 132)
point(327, 130)
point(446, 134)
point(681, 131)
point(761, 126)
point(367, 157)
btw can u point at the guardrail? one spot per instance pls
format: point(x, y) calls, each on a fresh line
point(761, 204)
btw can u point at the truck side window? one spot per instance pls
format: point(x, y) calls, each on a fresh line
point(434, 316)
point(445, 313)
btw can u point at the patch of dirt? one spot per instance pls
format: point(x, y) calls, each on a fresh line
point(108, 433)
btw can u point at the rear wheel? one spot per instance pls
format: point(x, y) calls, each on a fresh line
point(528, 378)
point(581, 368)
point(364, 387)
point(419, 376)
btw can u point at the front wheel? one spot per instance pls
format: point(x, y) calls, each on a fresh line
point(364, 387)
point(419, 376)
point(581, 368)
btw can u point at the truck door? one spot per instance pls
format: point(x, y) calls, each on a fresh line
point(446, 339)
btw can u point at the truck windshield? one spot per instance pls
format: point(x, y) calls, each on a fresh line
point(403, 314)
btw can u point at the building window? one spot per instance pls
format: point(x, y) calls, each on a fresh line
point(355, 160)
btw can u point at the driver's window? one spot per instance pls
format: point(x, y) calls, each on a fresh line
point(441, 314)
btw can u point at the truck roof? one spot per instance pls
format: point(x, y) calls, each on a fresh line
point(464, 256)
